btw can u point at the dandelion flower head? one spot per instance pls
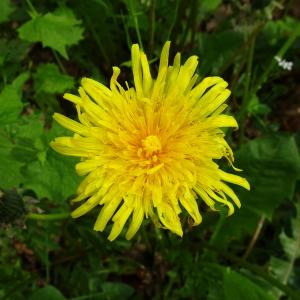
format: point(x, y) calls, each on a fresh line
point(150, 150)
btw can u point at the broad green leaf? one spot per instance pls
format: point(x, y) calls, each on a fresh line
point(48, 79)
point(6, 9)
point(11, 100)
point(48, 292)
point(242, 222)
point(56, 30)
point(237, 287)
point(272, 166)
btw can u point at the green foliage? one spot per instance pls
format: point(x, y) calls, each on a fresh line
point(272, 166)
point(209, 47)
point(283, 267)
point(6, 8)
point(56, 30)
point(48, 292)
point(238, 287)
point(11, 100)
point(12, 52)
point(48, 79)
point(45, 175)
point(46, 47)
point(10, 174)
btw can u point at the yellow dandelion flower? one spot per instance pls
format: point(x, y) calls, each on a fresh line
point(150, 150)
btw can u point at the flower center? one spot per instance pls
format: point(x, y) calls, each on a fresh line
point(151, 144)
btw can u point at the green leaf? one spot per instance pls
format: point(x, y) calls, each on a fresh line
point(45, 172)
point(284, 268)
point(209, 46)
point(241, 223)
point(12, 52)
point(209, 5)
point(237, 287)
point(48, 292)
point(277, 30)
point(10, 175)
point(11, 100)
point(53, 177)
point(272, 166)
point(48, 79)
point(56, 30)
point(255, 107)
point(6, 9)
point(117, 290)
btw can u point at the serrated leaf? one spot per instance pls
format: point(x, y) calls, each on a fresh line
point(48, 79)
point(55, 178)
point(56, 30)
point(29, 137)
point(237, 287)
point(272, 166)
point(48, 292)
point(49, 174)
point(283, 268)
point(6, 8)
point(11, 100)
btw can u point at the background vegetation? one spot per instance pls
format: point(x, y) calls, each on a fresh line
point(46, 46)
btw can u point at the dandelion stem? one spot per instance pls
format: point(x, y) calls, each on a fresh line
point(207, 255)
point(173, 20)
point(61, 66)
point(246, 95)
point(97, 40)
point(47, 263)
point(136, 23)
point(151, 26)
point(255, 236)
point(34, 12)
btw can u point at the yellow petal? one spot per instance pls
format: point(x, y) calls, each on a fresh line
point(169, 218)
point(106, 213)
point(86, 207)
point(190, 204)
point(119, 223)
point(234, 179)
point(137, 219)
